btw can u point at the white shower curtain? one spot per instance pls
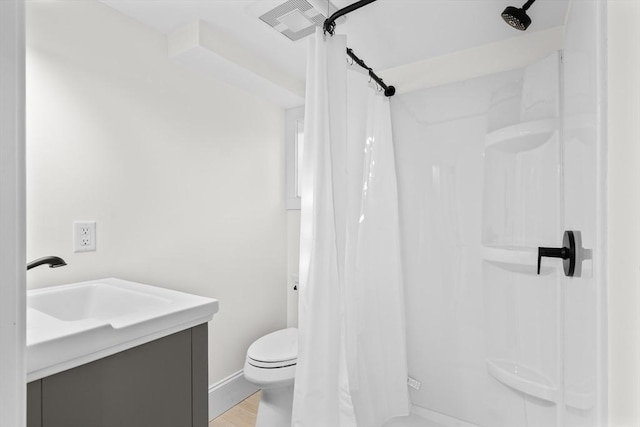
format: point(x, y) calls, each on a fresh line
point(352, 368)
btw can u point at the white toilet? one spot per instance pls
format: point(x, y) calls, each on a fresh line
point(271, 365)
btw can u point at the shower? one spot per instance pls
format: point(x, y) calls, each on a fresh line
point(517, 17)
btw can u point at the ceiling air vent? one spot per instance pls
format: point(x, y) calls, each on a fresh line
point(295, 18)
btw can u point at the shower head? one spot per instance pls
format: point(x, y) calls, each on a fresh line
point(517, 17)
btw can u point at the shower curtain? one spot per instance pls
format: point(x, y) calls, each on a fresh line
point(352, 368)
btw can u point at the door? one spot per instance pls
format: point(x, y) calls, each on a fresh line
point(12, 216)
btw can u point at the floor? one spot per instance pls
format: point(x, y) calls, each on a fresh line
point(242, 415)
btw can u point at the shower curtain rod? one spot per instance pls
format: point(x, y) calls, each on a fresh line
point(388, 90)
point(329, 27)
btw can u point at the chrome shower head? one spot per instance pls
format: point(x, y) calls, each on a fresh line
point(517, 17)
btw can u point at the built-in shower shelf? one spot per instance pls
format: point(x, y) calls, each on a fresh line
point(518, 259)
point(524, 379)
point(521, 137)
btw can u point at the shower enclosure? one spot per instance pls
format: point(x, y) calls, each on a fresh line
point(489, 170)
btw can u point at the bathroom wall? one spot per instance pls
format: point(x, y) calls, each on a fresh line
point(183, 174)
point(439, 141)
point(293, 265)
point(443, 300)
point(476, 198)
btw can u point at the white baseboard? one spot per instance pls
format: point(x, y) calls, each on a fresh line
point(227, 393)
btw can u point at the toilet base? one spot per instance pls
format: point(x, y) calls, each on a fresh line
point(275, 407)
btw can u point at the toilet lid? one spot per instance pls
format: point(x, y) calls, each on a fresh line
point(278, 346)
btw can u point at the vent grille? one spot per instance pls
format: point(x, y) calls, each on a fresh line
point(301, 10)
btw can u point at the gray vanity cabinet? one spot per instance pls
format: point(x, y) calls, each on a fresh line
point(162, 383)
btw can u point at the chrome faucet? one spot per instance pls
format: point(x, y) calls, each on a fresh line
point(53, 262)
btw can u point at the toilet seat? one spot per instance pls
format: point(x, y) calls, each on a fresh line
point(276, 350)
point(270, 365)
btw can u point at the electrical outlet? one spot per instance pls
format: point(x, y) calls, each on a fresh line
point(84, 236)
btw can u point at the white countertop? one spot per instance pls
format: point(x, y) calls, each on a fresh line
point(70, 325)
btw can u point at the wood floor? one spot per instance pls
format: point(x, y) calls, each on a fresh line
point(242, 415)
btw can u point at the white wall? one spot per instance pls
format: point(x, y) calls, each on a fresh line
point(624, 212)
point(474, 200)
point(183, 174)
point(293, 265)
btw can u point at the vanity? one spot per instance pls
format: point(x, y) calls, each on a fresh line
point(117, 353)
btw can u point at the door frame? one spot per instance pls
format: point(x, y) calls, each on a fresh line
point(12, 215)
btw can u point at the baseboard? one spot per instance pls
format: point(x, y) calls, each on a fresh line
point(227, 393)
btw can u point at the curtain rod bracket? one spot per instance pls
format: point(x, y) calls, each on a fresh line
point(329, 27)
point(330, 23)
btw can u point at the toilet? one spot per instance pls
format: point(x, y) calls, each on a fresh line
point(271, 365)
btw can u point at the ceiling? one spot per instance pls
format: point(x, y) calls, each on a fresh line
point(385, 34)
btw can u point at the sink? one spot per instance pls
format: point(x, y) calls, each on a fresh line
point(69, 325)
point(98, 301)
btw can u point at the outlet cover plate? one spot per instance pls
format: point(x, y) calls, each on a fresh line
point(84, 236)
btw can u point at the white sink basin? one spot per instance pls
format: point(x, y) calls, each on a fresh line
point(73, 324)
point(99, 301)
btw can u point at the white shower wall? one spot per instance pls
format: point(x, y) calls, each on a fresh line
point(482, 184)
point(439, 135)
